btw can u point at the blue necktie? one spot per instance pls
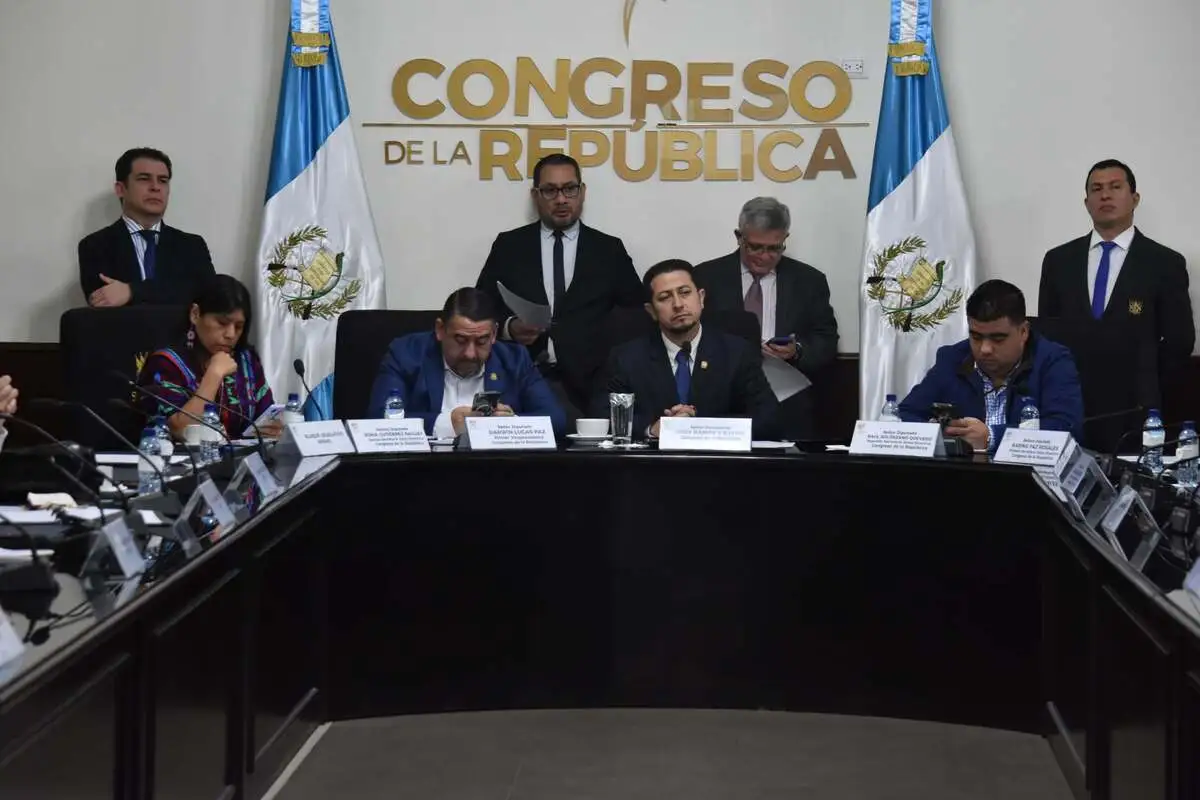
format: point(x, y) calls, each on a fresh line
point(151, 238)
point(683, 372)
point(1101, 287)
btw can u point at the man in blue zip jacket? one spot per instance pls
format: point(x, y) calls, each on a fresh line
point(438, 374)
point(986, 376)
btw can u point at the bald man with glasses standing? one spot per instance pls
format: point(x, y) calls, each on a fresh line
point(580, 272)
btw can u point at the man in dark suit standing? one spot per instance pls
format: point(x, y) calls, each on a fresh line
point(581, 273)
point(684, 370)
point(138, 259)
point(790, 298)
point(1117, 273)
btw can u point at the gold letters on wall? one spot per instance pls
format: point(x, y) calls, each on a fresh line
point(678, 114)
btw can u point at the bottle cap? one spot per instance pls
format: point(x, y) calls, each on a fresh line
point(149, 431)
point(1154, 412)
point(891, 398)
point(293, 397)
point(210, 407)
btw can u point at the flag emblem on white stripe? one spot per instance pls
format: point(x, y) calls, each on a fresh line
point(909, 288)
point(308, 274)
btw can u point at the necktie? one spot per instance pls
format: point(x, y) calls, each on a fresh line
point(151, 239)
point(560, 272)
point(754, 298)
point(1101, 287)
point(683, 372)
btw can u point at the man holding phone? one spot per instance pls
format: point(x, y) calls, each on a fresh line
point(459, 370)
point(980, 382)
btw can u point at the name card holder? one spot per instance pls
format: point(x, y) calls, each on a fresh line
point(11, 646)
point(1088, 491)
point(508, 433)
point(389, 435)
point(252, 470)
point(719, 434)
point(307, 439)
point(883, 438)
point(1046, 451)
point(1130, 528)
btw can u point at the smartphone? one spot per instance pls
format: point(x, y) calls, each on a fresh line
point(485, 403)
point(780, 341)
point(943, 413)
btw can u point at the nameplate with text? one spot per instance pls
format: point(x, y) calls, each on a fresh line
point(324, 438)
point(1046, 451)
point(725, 434)
point(389, 435)
point(510, 433)
point(883, 438)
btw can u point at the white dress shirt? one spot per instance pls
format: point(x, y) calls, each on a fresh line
point(673, 350)
point(768, 292)
point(456, 391)
point(570, 242)
point(3, 435)
point(1116, 259)
point(139, 242)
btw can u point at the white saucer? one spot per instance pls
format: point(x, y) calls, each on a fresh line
point(579, 437)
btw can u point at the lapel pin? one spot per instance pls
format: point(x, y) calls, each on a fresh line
point(493, 377)
point(703, 365)
point(1135, 307)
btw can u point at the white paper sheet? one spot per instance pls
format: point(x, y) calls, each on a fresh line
point(26, 516)
point(131, 459)
point(771, 445)
point(528, 312)
point(785, 380)
point(22, 555)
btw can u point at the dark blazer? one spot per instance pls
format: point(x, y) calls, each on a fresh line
point(414, 366)
point(727, 381)
point(801, 304)
point(181, 262)
point(1152, 290)
point(604, 278)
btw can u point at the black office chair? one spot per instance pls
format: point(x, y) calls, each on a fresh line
point(362, 340)
point(95, 343)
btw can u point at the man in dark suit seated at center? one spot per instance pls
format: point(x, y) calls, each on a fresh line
point(683, 369)
point(437, 374)
point(139, 259)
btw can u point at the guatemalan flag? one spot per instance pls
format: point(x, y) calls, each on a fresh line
point(318, 254)
point(920, 252)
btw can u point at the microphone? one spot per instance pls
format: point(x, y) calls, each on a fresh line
point(108, 427)
point(36, 576)
point(298, 366)
point(1113, 415)
point(89, 491)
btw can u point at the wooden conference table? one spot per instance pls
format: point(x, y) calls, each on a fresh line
point(935, 590)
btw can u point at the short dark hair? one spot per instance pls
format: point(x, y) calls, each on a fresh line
point(474, 304)
point(125, 162)
point(225, 294)
point(662, 268)
point(1112, 163)
point(555, 159)
point(996, 299)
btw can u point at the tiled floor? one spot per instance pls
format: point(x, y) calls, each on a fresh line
point(633, 754)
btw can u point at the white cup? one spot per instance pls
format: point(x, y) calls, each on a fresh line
point(591, 427)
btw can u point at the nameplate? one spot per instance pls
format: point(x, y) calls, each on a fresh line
point(389, 435)
point(267, 484)
point(883, 438)
point(1045, 451)
point(724, 434)
point(216, 503)
point(10, 643)
point(324, 438)
point(1191, 583)
point(124, 548)
point(1117, 511)
point(510, 433)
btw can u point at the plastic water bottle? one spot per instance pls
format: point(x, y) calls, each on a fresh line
point(293, 412)
point(394, 407)
point(210, 444)
point(1153, 437)
point(148, 480)
point(1188, 448)
point(1031, 419)
point(891, 410)
point(166, 446)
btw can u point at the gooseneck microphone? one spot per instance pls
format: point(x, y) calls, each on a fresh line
point(298, 366)
point(36, 576)
point(49, 437)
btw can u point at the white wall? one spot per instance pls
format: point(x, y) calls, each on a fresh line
point(1037, 93)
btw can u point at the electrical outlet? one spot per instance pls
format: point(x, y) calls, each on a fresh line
point(853, 67)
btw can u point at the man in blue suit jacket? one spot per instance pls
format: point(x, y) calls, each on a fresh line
point(986, 376)
point(438, 374)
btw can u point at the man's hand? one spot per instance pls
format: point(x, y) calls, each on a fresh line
point(502, 410)
point(787, 351)
point(112, 294)
point(8, 396)
point(681, 410)
point(222, 365)
point(459, 416)
point(524, 333)
point(975, 431)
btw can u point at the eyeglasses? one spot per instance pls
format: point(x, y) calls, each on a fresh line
point(570, 191)
point(754, 248)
